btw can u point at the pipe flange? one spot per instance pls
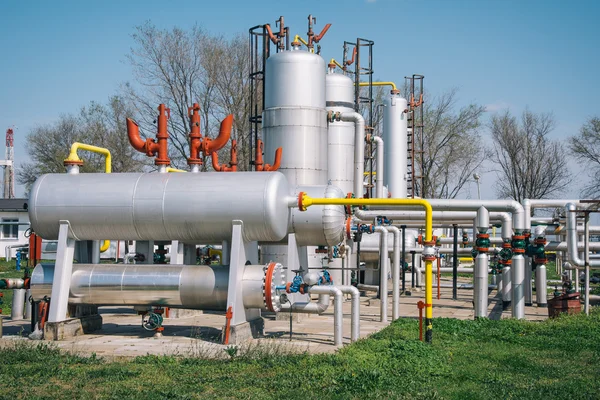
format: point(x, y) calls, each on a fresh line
point(274, 276)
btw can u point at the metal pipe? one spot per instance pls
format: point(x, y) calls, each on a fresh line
point(338, 301)
point(446, 270)
point(383, 257)
point(464, 217)
point(586, 252)
point(74, 158)
point(379, 166)
point(18, 304)
point(359, 149)
point(518, 280)
point(395, 271)
point(572, 244)
point(480, 280)
point(467, 286)
point(403, 257)
point(355, 310)
point(454, 261)
point(308, 307)
point(541, 286)
point(506, 286)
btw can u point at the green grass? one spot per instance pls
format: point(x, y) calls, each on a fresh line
point(8, 270)
point(480, 359)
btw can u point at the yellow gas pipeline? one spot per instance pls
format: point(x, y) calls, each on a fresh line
point(73, 157)
point(392, 84)
point(305, 201)
point(94, 149)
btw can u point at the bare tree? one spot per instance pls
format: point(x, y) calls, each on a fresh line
point(531, 165)
point(453, 149)
point(179, 68)
point(586, 148)
point(98, 124)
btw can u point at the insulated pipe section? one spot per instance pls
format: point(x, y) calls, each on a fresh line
point(380, 171)
point(308, 307)
point(572, 243)
point(541, 286)
point(195, 208)
point(355, 310)
point(480, 278)
point(383, 280)
point(359, 148)
point(395, 271)
point(338, 302)
point(446, 216)
point(199, 287)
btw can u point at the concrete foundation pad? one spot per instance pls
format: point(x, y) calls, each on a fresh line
point(374, 302)
point(243, 332)
point(183, 313)
point(72, 327)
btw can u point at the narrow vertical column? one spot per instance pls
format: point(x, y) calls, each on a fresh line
point(454, 262)
point(402, 258)
point(62, 274)
point(480, 281)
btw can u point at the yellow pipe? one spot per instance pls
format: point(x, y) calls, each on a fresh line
point(297, 38)
point(94, 149)
point(305, 201)
point(169, 169)
point(105, 246)
point(392, 84)
point(332, 61)
point(107, 168)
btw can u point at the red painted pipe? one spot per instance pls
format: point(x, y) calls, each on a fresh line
point(211, 145)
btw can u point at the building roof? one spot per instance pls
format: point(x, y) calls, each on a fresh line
point(14, 205)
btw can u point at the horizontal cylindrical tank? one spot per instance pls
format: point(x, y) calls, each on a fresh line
point(295, 118)
point(185, 207)
point(395, 137)
point(202, 287)
point(339, 94)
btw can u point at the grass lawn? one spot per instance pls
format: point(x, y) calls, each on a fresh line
point(480, 359)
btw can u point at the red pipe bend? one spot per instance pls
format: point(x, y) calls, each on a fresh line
point(276, 162)
point(149, 147)
point(211, 145)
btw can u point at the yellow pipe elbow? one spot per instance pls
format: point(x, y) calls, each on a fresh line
point(297, 38)
point(105, 246)
point(169, 169)
point(392, 84)
point(332, 61)
point(94, 149)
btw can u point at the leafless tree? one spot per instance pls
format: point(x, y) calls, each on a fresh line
point(531, 165)
point(98, 124)
point(586, 148)
point(181, 67)
point(453, 149)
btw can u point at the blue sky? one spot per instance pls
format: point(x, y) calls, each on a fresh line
point(58, 56)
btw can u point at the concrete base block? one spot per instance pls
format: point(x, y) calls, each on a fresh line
point(245, 331)
point(175, 313)
point(72, 327)
point(296, 317)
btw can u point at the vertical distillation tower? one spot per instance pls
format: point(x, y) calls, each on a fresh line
point(295, 119)
point(9, 171)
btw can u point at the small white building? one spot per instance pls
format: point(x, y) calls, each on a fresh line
point(14, 221)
